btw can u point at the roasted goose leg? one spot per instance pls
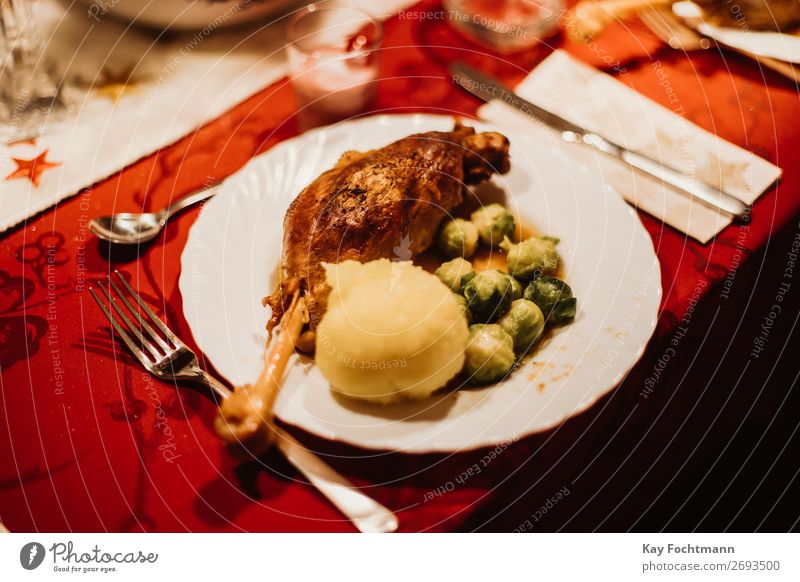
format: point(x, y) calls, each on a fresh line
point(381, 203)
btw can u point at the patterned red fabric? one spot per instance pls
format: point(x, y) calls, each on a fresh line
point(91, 443)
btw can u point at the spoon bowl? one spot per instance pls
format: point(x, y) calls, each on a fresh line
point(128, 228)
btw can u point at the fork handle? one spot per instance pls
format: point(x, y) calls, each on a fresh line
point(218, 387)
point(365, 513)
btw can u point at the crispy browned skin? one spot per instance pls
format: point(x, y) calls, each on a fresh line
point(381, 203)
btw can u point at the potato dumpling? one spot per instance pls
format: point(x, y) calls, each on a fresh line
point(392, 331)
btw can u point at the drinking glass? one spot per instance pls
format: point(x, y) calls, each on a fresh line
point(333, 62)
point(30, 93)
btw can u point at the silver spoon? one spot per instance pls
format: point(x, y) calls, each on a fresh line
point(129, 229)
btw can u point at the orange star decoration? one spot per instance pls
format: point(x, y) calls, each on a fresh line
point(31, 169)
point(114, 85)
point(24, 140)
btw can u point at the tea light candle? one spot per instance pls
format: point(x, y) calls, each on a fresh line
point(333, 63)
point(336, 83)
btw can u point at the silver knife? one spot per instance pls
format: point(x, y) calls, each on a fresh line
point(489, 88)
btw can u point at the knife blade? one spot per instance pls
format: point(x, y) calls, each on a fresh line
point(488, 88)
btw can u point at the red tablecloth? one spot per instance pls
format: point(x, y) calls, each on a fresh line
point(90, 442)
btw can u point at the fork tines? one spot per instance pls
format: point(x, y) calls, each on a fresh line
point(149, 340)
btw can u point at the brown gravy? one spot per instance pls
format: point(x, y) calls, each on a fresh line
point(485, 258)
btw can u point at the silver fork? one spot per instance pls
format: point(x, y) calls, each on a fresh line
point(166, 357)
point(668, 27)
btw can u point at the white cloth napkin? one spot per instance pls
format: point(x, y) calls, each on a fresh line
point(602, 104)
point(134, 96)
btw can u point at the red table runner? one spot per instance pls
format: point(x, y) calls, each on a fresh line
point(92, 443)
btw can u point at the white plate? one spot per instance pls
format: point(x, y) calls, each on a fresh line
point(233, 250)
point(784, 47)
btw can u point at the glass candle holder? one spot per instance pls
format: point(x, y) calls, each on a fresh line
point(31, 94)
point(333, 63)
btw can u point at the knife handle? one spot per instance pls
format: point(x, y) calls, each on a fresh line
point(698, 190)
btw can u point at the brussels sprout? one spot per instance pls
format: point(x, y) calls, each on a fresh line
point(458, 238)
point(524, 322)
point(494, 223)
point(530, 257)
point(462, 304)
point(516, 287)
point(554, 298)
point(488, 295)
point(452, 272)
point(490, 353)
point(466, 279)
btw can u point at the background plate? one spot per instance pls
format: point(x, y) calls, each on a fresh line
point(231, 258)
